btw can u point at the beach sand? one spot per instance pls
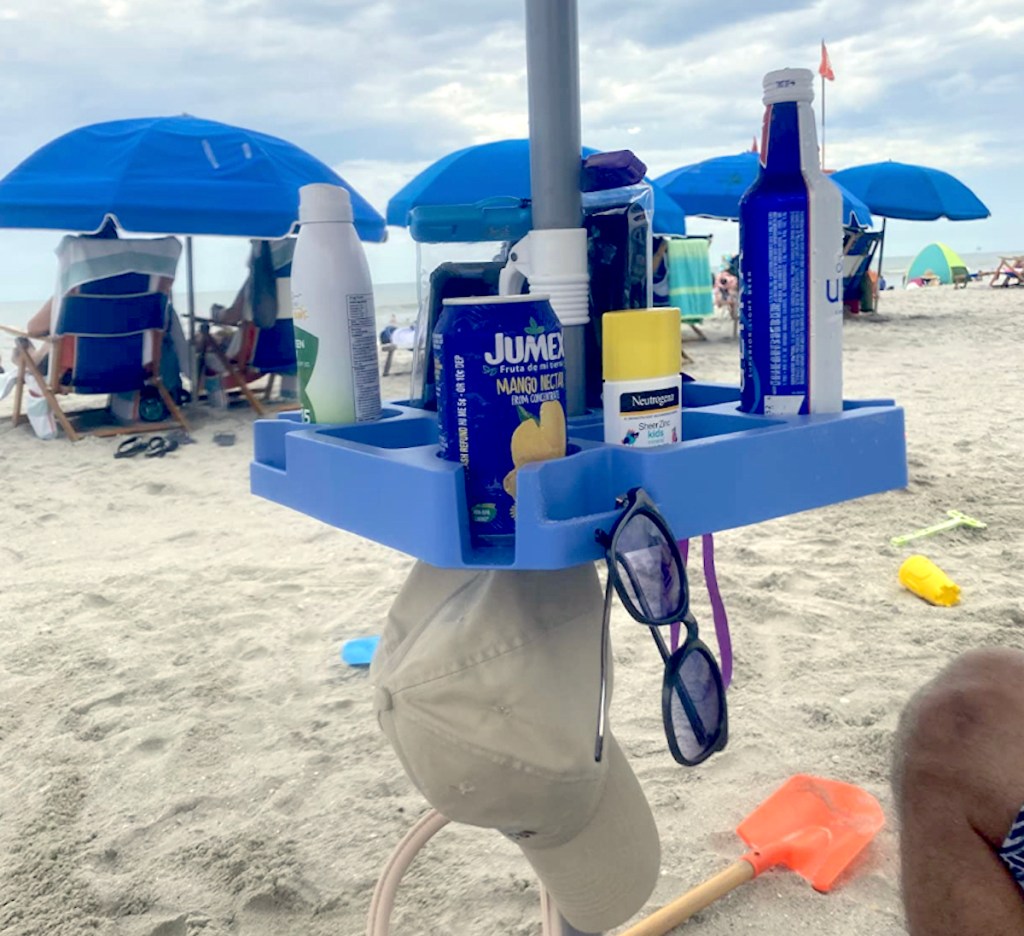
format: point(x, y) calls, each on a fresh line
point(182, 751)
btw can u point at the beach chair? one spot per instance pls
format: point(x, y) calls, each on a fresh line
point(403, 340)
point(263, 353)
point(264, 343)
point(690, 281)
point(1010, 272)
point(859, 249)
point(102, 344)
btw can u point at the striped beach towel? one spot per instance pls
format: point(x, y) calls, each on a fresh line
point(86, 259)
point(689, 277)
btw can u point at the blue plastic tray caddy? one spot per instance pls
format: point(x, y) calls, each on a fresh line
point(385, 481)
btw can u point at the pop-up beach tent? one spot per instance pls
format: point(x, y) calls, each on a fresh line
point(942, 261)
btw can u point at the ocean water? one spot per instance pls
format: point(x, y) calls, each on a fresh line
point(396, 303)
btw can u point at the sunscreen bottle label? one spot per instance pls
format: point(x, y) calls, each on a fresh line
point(362, 330)
point(306, 346)
point(646, 418)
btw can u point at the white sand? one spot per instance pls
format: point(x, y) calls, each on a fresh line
point(182, 751)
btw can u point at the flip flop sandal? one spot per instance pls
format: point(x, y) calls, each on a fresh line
point(130, 447)
point(159, 446)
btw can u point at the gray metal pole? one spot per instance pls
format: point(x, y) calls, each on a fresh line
point(881, 256)
point(193, 362)
point(553, 83)
point(553, 86)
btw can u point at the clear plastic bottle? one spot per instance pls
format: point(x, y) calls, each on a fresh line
point(791, 244)
point(333, 311)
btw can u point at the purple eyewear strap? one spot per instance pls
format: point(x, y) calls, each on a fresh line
point(717, 605)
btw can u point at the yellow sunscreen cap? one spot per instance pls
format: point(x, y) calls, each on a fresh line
point(638, 344)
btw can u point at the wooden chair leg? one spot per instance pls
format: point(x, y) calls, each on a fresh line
point(268, 391)
point(387, 361)
point(18, 389)
point(44, 388)
point(238, 377)
point(172, 407)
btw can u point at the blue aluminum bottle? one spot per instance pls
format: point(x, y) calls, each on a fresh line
point(791, 240)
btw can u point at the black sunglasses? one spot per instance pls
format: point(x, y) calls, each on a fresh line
point(646, 568)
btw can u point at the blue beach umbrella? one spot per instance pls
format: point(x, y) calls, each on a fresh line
point(170, 175)
point(913, 193)
point(497, 170)
point(713, 188)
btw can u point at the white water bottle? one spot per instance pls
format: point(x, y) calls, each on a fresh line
point(333, 312)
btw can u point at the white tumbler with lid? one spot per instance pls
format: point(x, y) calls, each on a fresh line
point(333, 312)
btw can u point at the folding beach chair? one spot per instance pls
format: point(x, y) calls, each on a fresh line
point(264, 346)
point(1010, 272)
point(858, 254)
point(264, 353)
point(102, 344)
point(690, 280)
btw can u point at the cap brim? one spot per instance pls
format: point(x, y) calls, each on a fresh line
point(604, 875)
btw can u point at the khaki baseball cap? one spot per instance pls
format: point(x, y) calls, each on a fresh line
point(486, 685)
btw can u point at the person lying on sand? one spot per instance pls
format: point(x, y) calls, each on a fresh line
point(958, 779)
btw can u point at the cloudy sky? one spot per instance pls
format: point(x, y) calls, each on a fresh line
point(380, 89)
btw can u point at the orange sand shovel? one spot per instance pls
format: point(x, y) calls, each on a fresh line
point(812, 826)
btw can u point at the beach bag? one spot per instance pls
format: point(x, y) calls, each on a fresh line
point(40, 416)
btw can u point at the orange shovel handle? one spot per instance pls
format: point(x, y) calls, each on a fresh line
point(703, 895)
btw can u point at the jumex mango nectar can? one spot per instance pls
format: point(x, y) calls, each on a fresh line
point(499, 370)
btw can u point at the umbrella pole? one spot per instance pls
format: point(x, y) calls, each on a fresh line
point(881, 255)
point(559, 241)
point(553, 96)
point(193, 362)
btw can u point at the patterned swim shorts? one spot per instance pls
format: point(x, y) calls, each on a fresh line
point(1012, 851)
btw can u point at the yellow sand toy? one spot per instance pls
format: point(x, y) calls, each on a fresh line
point(956, 519)
point(926, 580)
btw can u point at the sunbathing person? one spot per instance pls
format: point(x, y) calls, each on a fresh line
point(959, 783)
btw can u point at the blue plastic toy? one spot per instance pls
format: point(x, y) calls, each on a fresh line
point(359, 651)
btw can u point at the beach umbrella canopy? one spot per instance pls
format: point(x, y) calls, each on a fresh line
point(170, 175)
point(713, 189)
point(913, 193)
point(497, 170)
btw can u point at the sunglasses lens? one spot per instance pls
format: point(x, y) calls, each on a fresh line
point(695, 703)
point(648, 568)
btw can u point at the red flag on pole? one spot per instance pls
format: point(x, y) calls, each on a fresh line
point(825, 68)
